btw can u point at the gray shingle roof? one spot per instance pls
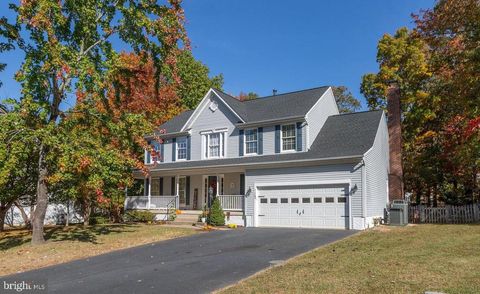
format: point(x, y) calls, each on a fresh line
point(275, 107)
point(175, 124)
point(343, 135)
point(265, 108)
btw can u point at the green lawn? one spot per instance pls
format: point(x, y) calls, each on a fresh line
point(410, 259)
point(74, 242)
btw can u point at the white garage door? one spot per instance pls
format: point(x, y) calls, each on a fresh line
point(307, 206)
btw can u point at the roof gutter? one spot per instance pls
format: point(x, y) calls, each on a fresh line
point(261, 122)
point(352, 157)
point(168, 135)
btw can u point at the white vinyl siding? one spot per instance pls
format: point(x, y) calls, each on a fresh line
point(376, 164)
point(319, 113)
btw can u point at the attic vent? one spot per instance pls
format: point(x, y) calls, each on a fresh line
point(213, 106)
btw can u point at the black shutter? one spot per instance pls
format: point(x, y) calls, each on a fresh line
point(240, 142)
point(172, 189)
point(242, 184)
point(188, 147)
point(187, 191)
point(277, 139)
point(148, 154)
point(162, 152)
point(174, 148)
point(299, 136)
point(260, 140)
point(161, 186)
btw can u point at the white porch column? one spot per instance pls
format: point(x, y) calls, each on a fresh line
point(218, 185)
point(149, 191)
point(177, 186)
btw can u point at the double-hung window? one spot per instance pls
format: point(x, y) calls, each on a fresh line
point(289, 137)
point(251, 141)
point(214, 145)
point(182, 148)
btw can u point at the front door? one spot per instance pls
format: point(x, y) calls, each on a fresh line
point(211, 189)
point(182, 185)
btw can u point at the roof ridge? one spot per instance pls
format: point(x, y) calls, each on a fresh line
point(357, 112)
point(271, 96)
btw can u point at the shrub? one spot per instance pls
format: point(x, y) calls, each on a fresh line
point(216, 216)
point(139, 216)
point(99, 220)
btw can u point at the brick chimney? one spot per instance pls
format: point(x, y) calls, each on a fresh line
point(395, 178)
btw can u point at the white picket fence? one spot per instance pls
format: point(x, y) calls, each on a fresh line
point(449, 214)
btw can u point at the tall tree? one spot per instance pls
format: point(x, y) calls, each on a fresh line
point(68, 49)
point(247, 96)
point(345, 100)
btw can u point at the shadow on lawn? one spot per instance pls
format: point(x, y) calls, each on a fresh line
point(14, 238)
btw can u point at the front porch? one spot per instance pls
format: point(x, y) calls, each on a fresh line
point(189, 192)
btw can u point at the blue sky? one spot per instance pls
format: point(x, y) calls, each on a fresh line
point(283, 45)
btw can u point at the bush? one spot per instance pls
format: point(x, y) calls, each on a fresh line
point(139, 216)
point(216, 216)
point(98, 220)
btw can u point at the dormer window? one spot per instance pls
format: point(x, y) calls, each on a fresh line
point(251, 141)
point(289, 137)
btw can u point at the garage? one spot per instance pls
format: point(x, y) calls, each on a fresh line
point(304, 206)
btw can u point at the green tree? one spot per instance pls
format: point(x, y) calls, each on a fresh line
point(68, 50)
point(195, 80)
point(216, 216)
point(345, 100)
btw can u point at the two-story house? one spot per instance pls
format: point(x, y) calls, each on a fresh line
point(287, 160)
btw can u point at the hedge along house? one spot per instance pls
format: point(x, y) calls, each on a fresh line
point(287, 160)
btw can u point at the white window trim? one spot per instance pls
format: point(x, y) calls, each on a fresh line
point(281, 138)
point(245, 143)
point(176, 149)
point(205, 143)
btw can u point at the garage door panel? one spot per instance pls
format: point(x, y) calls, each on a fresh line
point(311, 206)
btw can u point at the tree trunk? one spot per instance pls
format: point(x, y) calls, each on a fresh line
point(42, 200)
point(67, 221)
point(87, 209)
point(3, 213)
point(25, 217)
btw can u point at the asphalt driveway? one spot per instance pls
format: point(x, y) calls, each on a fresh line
point(195, 264)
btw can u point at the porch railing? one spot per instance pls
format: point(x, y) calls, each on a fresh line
point(156, 202)
point(232, 202)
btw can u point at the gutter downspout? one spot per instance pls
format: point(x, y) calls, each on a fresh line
point(364, 193)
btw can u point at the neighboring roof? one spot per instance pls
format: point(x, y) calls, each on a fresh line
point(274, 107)
point(176, 124)
point(279, 106)
point(342, 136)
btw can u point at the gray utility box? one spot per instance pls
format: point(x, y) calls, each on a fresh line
point(399, 213)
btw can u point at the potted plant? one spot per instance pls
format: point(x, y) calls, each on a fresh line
point(203, 216)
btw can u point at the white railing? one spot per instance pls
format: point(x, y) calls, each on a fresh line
point(232, 202)
point(156, 202)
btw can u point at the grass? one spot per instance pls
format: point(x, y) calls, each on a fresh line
point(74, 242)
point(410, 259)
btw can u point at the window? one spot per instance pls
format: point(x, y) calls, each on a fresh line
point(329, 200)
point(214, 145)
point(263, 200)
point(294, 200)
point(181, 148)
point(342, 199)
point(283, 200)
point(305, 200)
point(251, 141)
point(289, 137)
point(273, 200)
point(317, 200)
